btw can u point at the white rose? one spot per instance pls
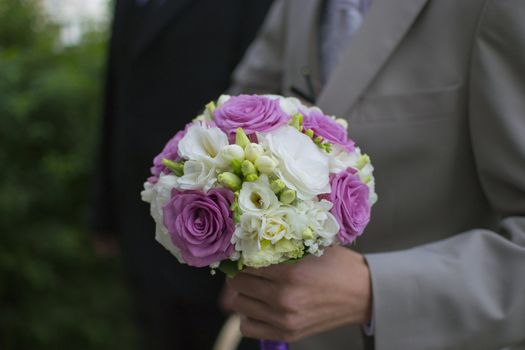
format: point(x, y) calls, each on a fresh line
point(257, 197)
point(160, 194)
point(302, 166)
point(203, 143)
point(198, 174)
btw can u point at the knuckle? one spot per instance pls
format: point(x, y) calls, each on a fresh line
point(245, 328)
point(286, 301)
point(290, 322)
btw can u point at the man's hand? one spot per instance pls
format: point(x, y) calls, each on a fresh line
point(291, 301)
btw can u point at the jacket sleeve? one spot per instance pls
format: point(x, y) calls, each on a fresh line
point(468, 292)
point(260, 71)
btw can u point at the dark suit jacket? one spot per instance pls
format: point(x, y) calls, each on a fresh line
point(165, 63)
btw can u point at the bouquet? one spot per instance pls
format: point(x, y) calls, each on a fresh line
point(257, 180)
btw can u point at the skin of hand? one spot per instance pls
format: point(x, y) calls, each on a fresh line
point(288, 302)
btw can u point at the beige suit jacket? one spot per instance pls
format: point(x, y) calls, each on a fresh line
point(434, 91)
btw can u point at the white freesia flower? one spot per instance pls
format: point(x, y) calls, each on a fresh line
point(198, 174)
point(289, 105)
point(265, 164)
point(279, 224)
point(340, 159)
point(253, 151)
point(222, 100)
point(232, 152)
point(302, 166)
point(264, 257)
point(246, 236)
point(257, 197)
point(203, 143)
point(158, 195)
point(148, 194)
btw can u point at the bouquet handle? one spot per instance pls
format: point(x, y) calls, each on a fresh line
point(273, 345)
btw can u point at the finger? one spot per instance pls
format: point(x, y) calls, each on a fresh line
point(253, 287)
point(255, 309)
point(277, 272)
point(252, 328)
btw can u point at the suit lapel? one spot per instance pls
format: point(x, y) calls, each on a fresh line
point(157, 19)
point(383, 28)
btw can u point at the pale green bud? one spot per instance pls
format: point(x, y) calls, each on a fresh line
point(176, 168)
point(308, 233)
point(237, 166)
point(265, 164)
point(287, 196)
point(253, 151)
point(230, 180)
point(207, 114)
point(366, 179)
point(277, 186)
point(292, 249)
point(210, 107)
point(296, 121)
point(363, 161)
point(240, 138)
point(309, 133)
point(318, 139)
point(327, 147)
point(248, 168)
point(232, 152)
point(251, 177)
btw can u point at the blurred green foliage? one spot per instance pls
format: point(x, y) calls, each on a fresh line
point(54, 291)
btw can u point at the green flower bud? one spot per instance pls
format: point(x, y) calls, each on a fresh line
point(309, 133)
point(366, 179)
point(287, 196)
point(176, 168)
point(296, 121)
point(308, 233)
point(251, 177)
point(253, 151)
point(318, 139)
point(240, 138)
point(236, 211)
point(230, 180)
point(232, 152)
point(362, 161)
point(265, 164)
point(237, 166)
point(277, 186)
point(327, 147)
point(248, 168)
point(210, 107)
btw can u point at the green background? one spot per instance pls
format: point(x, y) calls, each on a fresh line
point(55, 292)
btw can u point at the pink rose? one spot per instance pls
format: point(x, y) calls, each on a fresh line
point(329, 129)
point(170, 152)
point(201, 225)
point(350, 204)
point(252, 113)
